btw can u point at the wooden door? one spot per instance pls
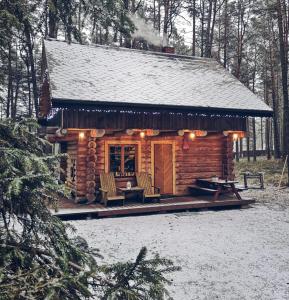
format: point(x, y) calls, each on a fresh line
point(163, 167)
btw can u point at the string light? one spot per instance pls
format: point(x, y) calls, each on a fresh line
point(142, 134)
point(55, 110)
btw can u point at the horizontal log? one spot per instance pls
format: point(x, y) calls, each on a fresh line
point(191, 174)
point(81, 156)
point(91, 158)
point(90, 197)
point(91, 164)
point(191, 180)
point(198, 156)
point(82, 151)
point(192, 162)
point(81, 169)
point(55, 139)
point(91, 190)
point(80, 190)
point(81, 180)
point(90, 171)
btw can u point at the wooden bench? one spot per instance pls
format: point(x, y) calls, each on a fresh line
point(202, 189)
point(241, 189)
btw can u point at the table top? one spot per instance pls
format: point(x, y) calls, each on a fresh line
point(219, 181)
point(132, 189)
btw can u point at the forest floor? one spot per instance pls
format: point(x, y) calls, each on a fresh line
point(272, 169)
point(229, 254)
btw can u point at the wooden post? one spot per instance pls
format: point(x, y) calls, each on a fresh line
point(280, 182)
point(81, 166)
point(91, 166)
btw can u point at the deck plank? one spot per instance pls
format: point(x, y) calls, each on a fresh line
point(167, 205)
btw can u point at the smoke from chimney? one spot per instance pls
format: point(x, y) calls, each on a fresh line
point(145, 30)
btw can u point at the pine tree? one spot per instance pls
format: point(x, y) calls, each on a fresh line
point(38, 257)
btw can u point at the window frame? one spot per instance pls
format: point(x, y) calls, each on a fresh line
point(123, 144)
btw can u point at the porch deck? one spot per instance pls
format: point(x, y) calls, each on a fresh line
point(71, 211)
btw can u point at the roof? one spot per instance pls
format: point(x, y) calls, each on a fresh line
point(97, 75)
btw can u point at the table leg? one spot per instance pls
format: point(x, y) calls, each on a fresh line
point(217, 193)
point(234, 190)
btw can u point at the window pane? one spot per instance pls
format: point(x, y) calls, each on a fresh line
point(115, 158)
point(129, 160)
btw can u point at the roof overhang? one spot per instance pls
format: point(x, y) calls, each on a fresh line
point(91, 105)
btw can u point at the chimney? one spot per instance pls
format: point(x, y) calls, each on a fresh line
point(168, 49)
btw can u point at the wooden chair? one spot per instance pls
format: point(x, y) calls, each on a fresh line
point(108, 188)
point(144, 181)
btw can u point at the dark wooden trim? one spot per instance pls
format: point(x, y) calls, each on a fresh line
point(165, 120)
point(102, 104)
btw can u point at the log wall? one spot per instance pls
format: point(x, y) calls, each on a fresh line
point(202, 157)
point(205, 157)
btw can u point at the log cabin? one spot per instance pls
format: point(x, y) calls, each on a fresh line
point(125, 111)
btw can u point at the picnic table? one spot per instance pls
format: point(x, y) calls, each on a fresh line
point(216, 187)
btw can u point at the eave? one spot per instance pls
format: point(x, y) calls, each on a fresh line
point(141, 107)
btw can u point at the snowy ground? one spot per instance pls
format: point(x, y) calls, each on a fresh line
point(232, 254)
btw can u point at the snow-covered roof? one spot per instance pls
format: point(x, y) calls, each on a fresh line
point(109, 75)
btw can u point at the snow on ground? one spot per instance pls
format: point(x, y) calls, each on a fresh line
point(230, 254)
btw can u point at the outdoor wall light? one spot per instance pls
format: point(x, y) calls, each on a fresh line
point(142, 134)
point(235, 136)
point(81, 135)
point(192, 135)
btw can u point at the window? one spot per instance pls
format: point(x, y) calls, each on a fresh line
point(122, 159)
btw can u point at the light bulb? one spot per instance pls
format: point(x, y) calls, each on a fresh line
point(81, 135)
point(192, 135)
point(235, 136)
point(142, 134)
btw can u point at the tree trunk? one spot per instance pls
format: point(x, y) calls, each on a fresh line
point(159, 16)
point(53, 19)
point(283, 41)
point(202, 17)
point(194, 28)
point(267, 133)
point(241, 154)
point(27, 33)
point(277, 148)
point(211, 39)
point(237, 150)
point(262, 135)
point(10, 82)
point(166, 22)
point(254, 139)
point(208, 29)
point(225, 34)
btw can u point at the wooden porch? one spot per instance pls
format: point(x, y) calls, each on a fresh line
point(71, 211)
